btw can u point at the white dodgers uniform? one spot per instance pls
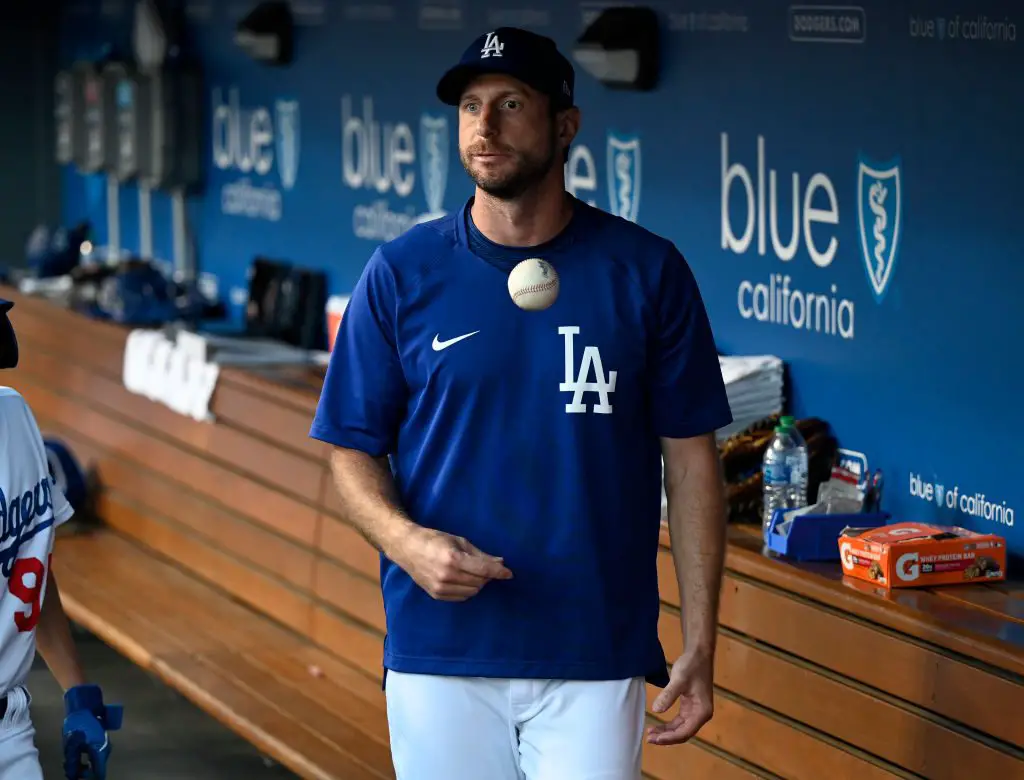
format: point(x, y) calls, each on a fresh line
point(31, 510)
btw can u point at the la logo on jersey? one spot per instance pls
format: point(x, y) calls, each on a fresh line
point(492, 47)
point(580, 382)
point(25, 516)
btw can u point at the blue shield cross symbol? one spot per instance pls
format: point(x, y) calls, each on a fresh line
point(434, 145)
point(624, 176)
point(287, 140)
point(879, 217)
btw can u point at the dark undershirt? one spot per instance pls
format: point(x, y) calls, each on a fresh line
point(506, 257)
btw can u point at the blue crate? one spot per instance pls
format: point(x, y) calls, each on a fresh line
point(815, 537)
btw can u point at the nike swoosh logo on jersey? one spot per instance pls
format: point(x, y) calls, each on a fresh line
point(438, 345)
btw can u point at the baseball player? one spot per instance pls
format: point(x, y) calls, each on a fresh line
point(508, 463)
point(31, 615)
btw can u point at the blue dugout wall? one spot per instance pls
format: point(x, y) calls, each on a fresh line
point(844, 180)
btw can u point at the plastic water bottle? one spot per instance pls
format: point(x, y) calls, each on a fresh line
point(785, 470)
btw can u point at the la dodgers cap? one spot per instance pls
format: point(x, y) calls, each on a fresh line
point(532, 58)
point(5, 305)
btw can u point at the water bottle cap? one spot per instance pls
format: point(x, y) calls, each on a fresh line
point(786, 424)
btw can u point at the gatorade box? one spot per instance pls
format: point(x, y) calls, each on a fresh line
point(920, 555)
point(335, 307)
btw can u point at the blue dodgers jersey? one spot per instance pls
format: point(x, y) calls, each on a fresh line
point(534, 435)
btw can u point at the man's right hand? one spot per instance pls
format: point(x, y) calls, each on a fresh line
point(448, 567)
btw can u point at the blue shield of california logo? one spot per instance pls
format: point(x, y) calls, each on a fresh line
point(879, 220)
point(434, 143)
point(287, 139)
point(624, 176)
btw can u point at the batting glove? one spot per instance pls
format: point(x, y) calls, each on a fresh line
point(87, 721)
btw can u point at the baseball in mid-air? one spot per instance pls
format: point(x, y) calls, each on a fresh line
point(533, 284)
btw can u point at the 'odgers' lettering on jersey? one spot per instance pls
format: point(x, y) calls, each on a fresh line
point(17, 518)
point(602, 385)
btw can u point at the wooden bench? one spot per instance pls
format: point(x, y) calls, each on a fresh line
point(224, 567)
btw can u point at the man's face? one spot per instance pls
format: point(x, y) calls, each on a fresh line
point(507, 135)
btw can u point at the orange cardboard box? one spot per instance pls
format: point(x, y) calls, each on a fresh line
point(919, 555)
point(335, 308)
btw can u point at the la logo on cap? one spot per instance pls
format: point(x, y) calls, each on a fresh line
point(492, 47)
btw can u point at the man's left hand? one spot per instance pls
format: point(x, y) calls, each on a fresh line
point(691, 683)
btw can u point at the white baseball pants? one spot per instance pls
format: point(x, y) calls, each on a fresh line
point(472, 728)
point(19, 758)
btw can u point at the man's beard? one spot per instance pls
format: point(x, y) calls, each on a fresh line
point(527, 171)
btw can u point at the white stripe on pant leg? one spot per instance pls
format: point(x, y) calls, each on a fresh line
point(450, 728)
point(583, 730)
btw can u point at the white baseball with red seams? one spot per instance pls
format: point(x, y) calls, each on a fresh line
point(533, 284)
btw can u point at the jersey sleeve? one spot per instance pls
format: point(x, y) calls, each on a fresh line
point(688, 391)
point(364, 393)
point(62, 510)
point(60, 506)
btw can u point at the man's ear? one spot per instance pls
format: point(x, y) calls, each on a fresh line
point(568, 125)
